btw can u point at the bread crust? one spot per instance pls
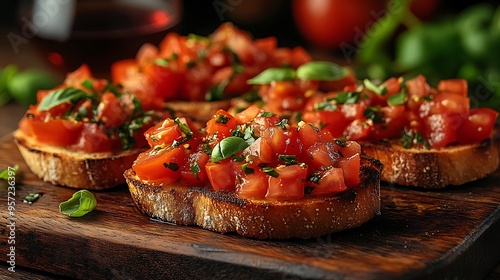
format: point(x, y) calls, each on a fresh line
point(59, 166)
point(224, 212)
point(434, 168)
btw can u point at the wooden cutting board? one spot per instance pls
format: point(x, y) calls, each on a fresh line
point(451, 234)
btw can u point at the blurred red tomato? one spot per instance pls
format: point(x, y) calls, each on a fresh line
point(329, 23)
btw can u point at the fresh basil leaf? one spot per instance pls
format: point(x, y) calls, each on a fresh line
point(31, 197)
point(81, 203)
point(379, 90)
point(273, 74)
point(9, 172)
point(60, 96)
point(228, 147)
point(314, 177)
point(396, 99)
point(321, 71)
point(195, 169)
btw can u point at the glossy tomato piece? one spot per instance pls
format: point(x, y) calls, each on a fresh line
point(308, 135)
point(458, 86)
point(162, 166)
point(165, 132)
point(331, 181)
point(253, 185)
point(57, 132)
point(77, 77)
point(282, 142)
point(110, 111)
point(441, 129)
point(194, 171)
point(322, 154)
point(289, 183)
point(333, 121)
point(351, 166)
point(94, 139)
point(164, 82)
point(259, 151)
point(478, 126)
point(222, 175)
point(120, 70)
point(357, 130)
point(395, 119)
point(221, 124)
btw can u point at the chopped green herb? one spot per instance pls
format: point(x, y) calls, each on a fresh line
point(341, 143)
point(31, 197)
point(265, 114)
point(172, 166)
point(308, 189)
point(246, 169)
point(270, 171)
point(195, 169)
point(288, 159)
point(379, 90)
point(9, 172)
point(328, 105)
point(374, 114)
point(282, 123)
point(237, 158)
point(396, 99)
point(251, 96)
point(222, 119)
point(88, 84)
point(314, 177)
point(350, 97)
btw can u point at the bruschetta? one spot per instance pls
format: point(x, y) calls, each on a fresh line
point(254, 174)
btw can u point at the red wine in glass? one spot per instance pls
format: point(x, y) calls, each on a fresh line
point(69, 33)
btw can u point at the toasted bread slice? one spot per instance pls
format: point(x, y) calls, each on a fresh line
point(78, 170)
point(433, 168)
point(224, 212)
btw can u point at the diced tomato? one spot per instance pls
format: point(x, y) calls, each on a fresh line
point(322, 154)
point(357, 130)
point(58, 132)
point(450, 103)
point(77, 77)
point(221, 124)
point(331, 181)
point(441, 129)
point(221, 175)
point(120, 70)
point(147, 54)
point(165, 132)
point(289, 184)
point(308, 135)
point(164, 82)
point(351, 166)
point(395, 120)
point(457, 86)
point(163, 166)
point(253, 185)
point(349, 148)
point(418, 87)
point(110, 110)
point(194, 171)
point(333, 121)
point(247, 115)
point(393, 86)
point(259, 151)
point(478, 126)
point(282, 142)
point(94, 139)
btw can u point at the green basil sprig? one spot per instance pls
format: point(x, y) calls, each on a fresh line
point(321, 71)
point(314, 70)
point(81, 203)
point(396, 99)
point(60, 96)
point(273, 74)
point(227, 147)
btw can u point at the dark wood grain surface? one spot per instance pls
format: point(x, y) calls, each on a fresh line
point(450, 234)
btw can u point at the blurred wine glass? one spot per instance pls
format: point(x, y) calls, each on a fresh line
point(69, 33)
